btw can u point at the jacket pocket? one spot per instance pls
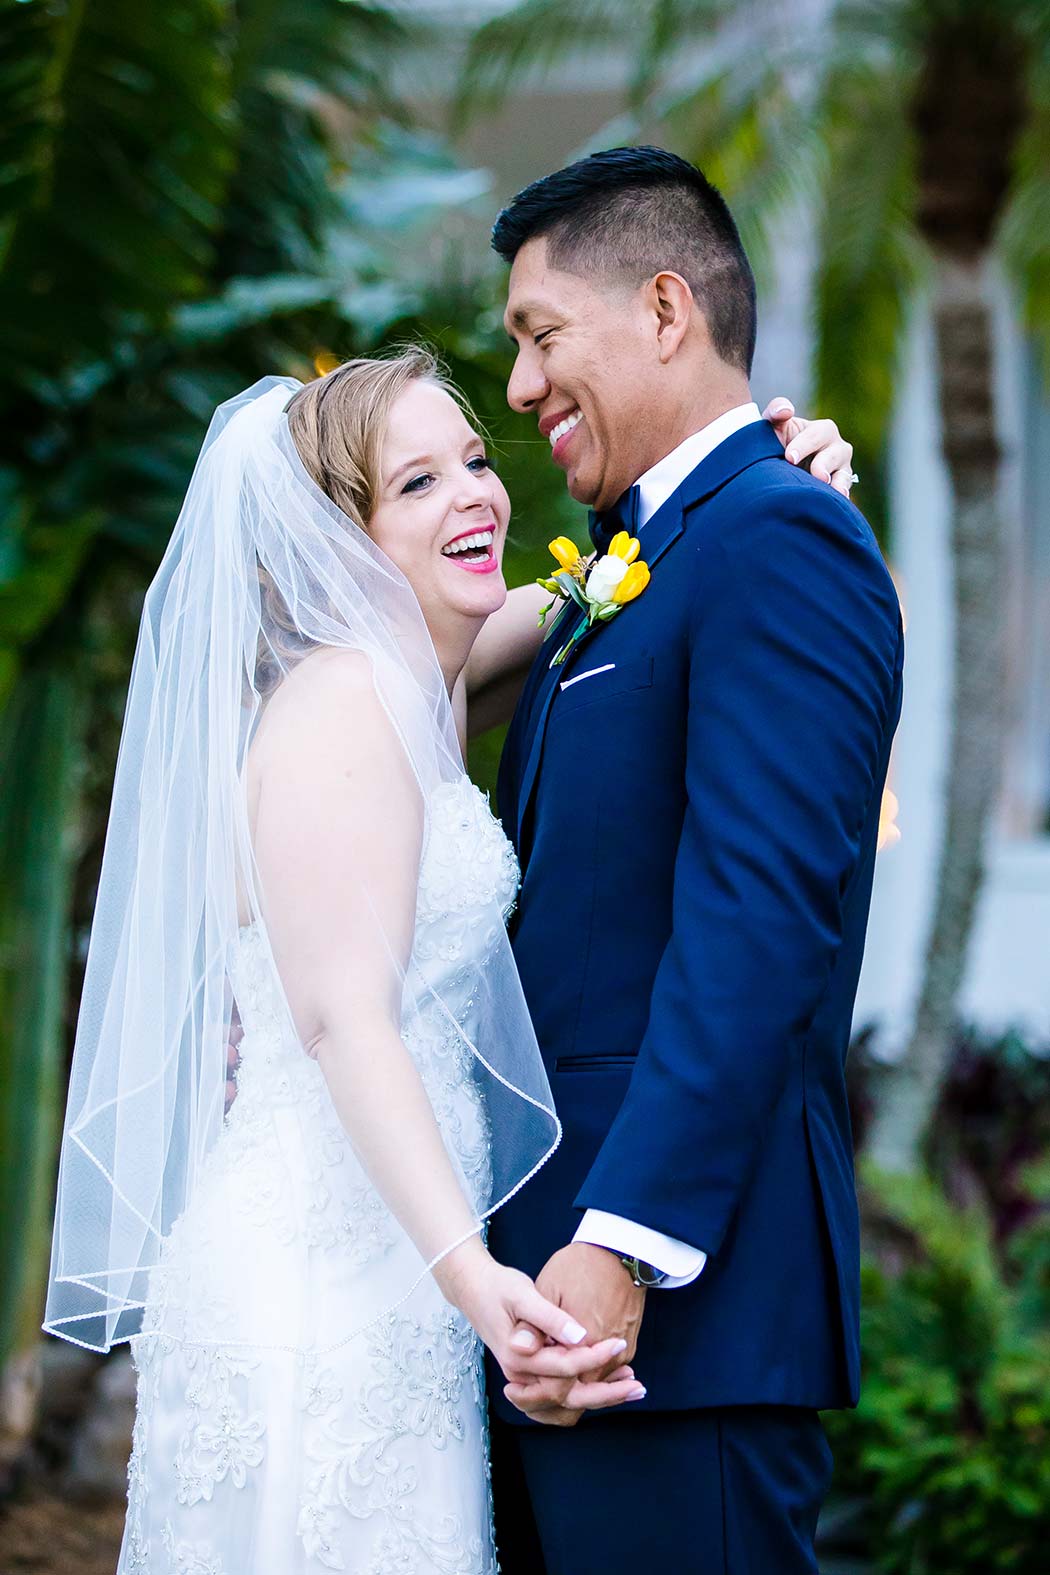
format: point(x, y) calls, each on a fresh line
point(592, 1063)
point(602, 684)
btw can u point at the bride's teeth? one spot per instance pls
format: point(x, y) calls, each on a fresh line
point(480, 539)
point(565, 426)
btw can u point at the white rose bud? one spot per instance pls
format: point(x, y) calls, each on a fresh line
point(604, 578)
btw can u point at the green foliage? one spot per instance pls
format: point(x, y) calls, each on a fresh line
point(948, 1452)
point(188, 205)
point(869, 257)
point(537, 35)
point(1025, 231)
point(39, 737)
point(309, 81)
point(190, 197)
point(119, 185)
point(776, 114)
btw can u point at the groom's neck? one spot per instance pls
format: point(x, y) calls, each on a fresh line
point(688, 409)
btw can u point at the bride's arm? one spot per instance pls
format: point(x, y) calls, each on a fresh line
point(338, 839)
point(502, 655)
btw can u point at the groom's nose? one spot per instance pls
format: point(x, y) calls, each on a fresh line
point(528, 385)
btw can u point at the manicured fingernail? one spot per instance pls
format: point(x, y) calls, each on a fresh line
point(792, 456)
point(637, 1394)
point(780, 405)
point(572, 1332)
point(618, 1346)
point(523, 1340)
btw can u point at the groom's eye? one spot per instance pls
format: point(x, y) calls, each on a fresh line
point(543, 334)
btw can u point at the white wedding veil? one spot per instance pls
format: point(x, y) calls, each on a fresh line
point(263, 575)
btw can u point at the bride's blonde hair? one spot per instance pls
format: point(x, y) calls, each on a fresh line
point(338, 424)
point(339, 421)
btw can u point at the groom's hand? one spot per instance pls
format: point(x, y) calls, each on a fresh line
point(596, 1289)
point(594, 1286)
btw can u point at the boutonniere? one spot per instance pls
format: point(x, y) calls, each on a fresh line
point(602, 587)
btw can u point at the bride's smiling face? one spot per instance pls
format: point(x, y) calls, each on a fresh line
point(442, 512)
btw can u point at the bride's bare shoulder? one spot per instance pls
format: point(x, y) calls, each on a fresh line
point(329, 691)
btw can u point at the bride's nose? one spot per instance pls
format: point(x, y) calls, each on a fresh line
point(473, 492)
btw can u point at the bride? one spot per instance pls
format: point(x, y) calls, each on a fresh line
point(294, 844)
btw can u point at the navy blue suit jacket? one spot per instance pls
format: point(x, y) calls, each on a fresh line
point(697, 829)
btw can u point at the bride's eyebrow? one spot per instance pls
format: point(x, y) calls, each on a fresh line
point(410, 464)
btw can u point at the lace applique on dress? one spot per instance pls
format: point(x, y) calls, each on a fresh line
point(426, 1386)
point(368, 1456)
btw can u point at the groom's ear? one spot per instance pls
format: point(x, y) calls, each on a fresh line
point(671, 301)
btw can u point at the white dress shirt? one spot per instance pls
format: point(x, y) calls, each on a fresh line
point(678, 1261)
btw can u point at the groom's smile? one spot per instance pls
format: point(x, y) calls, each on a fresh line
point(558, 429)
point(584, 368)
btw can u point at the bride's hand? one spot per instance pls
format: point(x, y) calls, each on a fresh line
point(821, 442)
point(498, 1301)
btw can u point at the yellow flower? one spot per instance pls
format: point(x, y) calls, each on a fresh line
point(633, 582)
point(625, 547)
point(566, 552)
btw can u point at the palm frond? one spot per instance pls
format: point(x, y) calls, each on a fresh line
point(310, 81)
point(744, 122)
point(870, 257)
point(126, 186)
point(527, 43)
point(39, 734)
point(1024, 235)
point(35, 45)
point(671, 27)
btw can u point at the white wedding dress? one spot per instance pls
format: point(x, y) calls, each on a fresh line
point(365, 1454)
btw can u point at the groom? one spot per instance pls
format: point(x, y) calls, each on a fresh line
point(694, 796)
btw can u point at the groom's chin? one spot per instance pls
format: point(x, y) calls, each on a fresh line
point(579, 490)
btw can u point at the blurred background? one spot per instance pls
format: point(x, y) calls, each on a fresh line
point(196, 194)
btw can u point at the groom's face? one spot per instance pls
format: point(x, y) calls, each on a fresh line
point(585, 369)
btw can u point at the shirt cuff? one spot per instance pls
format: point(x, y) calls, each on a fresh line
point(677, 1260)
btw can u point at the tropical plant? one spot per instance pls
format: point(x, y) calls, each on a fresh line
point(945, 1466)
point(190, 196)
point(919, 133)
point(39, 738)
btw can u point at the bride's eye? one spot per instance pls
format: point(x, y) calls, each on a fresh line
point(417, 483)
point(481, 462)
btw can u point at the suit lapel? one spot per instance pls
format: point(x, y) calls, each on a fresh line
point(657, 535)
point(745, 448)
point(544, 697)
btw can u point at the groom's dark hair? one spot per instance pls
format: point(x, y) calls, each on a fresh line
point(630, 212)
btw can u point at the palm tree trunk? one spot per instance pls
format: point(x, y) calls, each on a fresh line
point(964, 342)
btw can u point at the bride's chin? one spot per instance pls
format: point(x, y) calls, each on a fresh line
point(483, 600)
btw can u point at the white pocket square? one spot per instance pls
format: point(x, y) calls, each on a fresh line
point(592, 672)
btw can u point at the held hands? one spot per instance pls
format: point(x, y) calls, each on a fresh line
point(820, 441)
point(597, 1286)
point(533, 1339)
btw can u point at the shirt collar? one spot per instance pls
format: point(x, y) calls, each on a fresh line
point(656, 486)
